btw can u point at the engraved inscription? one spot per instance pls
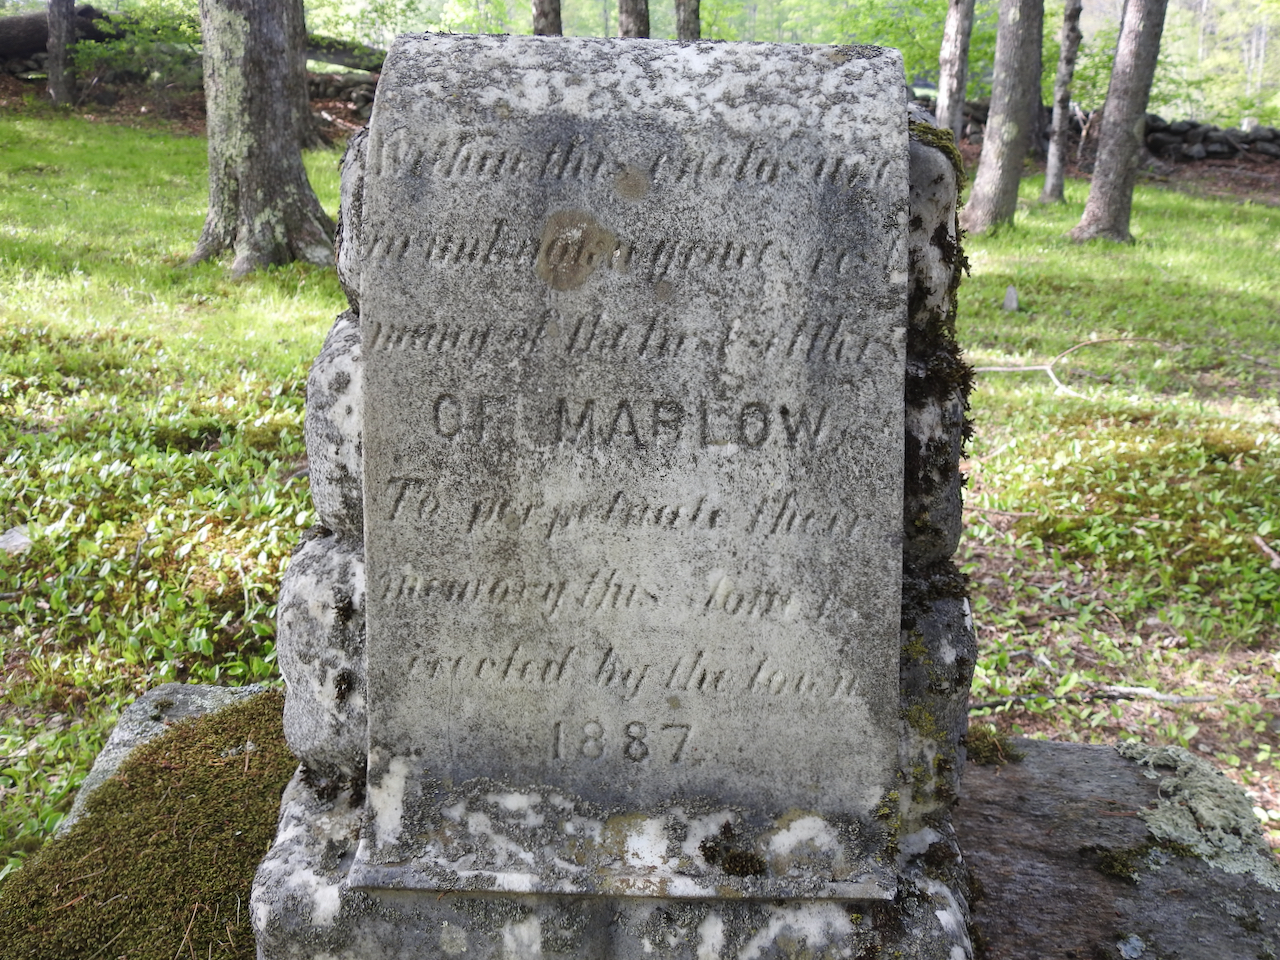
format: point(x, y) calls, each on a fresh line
point(573, 245)
point(590, 741)
point(639, 424)
point(592, 334)
point(517, 667)
point(788, 513)
point(627, 677)
point(652, 337)
point(546, 595)
point(470, 156)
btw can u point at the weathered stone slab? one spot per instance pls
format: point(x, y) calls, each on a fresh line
point(634, 327)
point(1079, 851)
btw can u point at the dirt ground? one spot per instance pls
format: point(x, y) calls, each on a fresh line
point(148, 108)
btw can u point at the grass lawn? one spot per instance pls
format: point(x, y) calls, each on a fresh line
point(151, 446)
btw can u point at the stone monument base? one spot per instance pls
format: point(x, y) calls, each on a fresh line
point(305, 906)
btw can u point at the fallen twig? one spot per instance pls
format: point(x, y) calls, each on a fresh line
point(1048, 367)
point(999, 513)
point(1266, 549)
point(338, 121)
point(1105, 695)
point(186, 937)
point(102, 949)
point(1261, 363)
point(1146, 693)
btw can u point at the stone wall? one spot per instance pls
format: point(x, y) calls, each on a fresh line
point(1181, 141)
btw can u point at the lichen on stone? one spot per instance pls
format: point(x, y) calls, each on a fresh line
point(1199, 808)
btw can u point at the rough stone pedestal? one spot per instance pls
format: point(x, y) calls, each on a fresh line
point(647, 641)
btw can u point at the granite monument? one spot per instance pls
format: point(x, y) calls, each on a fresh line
point(631, 626)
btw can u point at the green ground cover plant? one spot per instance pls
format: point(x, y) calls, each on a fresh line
point(151, 445)
point(1123, 523)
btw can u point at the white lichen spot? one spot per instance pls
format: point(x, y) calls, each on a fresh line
point(952, 918)
point(710, 937)
point(522, 940)
point(647, 845)
point(914, 844)
point(701, 828)
point(387, 800)
point(817, 924)
point(326, 901)
point(455, 812)
point(810, 832)
point(453, 939)
point(522, 803)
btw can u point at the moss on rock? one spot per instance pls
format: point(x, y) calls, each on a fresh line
point(163, 860)
point(988, 746)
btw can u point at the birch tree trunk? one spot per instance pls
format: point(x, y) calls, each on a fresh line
point(260, 203)
point(546, 18)
point(1070, 46)
point(1110, 204)
point(62, 35)
point(688, 20)
point(953, 66)
point(633, 18)
point(1015, 104)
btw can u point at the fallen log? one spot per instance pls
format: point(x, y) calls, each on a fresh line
point(344, 53)
point(26, 34)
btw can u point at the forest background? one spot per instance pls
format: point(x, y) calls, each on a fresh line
point(152, 415)
point(1218, 63)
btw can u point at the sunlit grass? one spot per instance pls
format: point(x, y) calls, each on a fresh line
point(1117, 524)
point(151, 428)
point(151, 443)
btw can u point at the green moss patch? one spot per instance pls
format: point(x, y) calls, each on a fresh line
point(162, 863)
point(987, 746)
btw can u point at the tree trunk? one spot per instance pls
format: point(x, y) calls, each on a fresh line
point(633, 18)
point(1015, 105)
point(953, 67)
point(295, 76)
point(1070, 42)
point(260, 203)
point(546, 18)
point(62, 36)
point(1110, 203)
point(688, 20)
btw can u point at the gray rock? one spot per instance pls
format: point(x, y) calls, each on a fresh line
point(1266, 148)
point(565, 700)
point(1194, 151)
point(147, 718)
point(1198, 133)
point(1161, 143)
point(351, 211)
point(333, 431)
point(15, 540)
point(320, 646)
point(1081, 852)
